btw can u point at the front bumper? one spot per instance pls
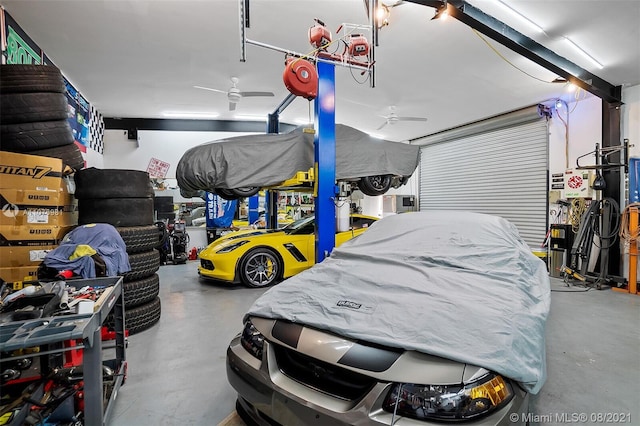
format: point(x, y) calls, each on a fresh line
point(269, 397)
point(219, 272)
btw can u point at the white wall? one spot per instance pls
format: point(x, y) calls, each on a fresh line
point(168, 146)
point(584, 125)
point(94, 159)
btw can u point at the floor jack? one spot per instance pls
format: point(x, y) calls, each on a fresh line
point(597, 226)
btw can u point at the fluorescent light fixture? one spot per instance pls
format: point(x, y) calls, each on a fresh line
point(583, 53)
point(192, 114)
point(376, 135)
point(519, 15)
point(250, 117)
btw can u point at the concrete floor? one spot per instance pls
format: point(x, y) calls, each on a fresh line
point(177, 368)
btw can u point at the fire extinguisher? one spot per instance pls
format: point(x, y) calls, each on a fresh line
point(193, 253)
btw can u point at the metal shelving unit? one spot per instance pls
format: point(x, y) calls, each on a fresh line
point(86, 327)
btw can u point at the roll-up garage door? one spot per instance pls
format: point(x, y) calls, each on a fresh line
point(497, 166)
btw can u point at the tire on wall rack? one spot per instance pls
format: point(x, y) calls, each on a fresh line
point(30, 107)
point(69, 154)
point(24, 78)
point(24, 137)
point(374, 185)
point(139, 238)
point(114, 183)
point(141, 291)
point(143, 265)
point(118, 212)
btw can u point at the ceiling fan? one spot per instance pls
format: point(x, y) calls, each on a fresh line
point(393, 118)
point(234, 94)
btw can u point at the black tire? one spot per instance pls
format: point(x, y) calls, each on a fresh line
point(166, 216)
point(226, 194)
point(163, 201)
point(245, 192)
point(113, 183)
point(260, 267)
point(69, 154)
point(139, 318)
point(143, 317)
point(143, 265)
point(25, 137)
point(140, 238)
point(375, 185)
point(31, 107)
point(141, 291)
point(19, 78)
point(118, 212)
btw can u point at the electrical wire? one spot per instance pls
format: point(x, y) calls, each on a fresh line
point(578, 207)
point(614, 218)
point(506, 60)
point(626, 233)
point(576, 96)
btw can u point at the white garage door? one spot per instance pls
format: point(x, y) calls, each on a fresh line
point(498, 166)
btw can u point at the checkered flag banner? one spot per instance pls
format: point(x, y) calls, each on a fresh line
point(96, 127)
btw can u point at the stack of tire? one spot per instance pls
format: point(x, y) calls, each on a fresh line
point(33, 113)
point(124, 199)
point(163, 207)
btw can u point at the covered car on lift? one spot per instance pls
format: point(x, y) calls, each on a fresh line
point(240, 166)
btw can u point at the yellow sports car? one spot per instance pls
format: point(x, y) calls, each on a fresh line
point(259, 258)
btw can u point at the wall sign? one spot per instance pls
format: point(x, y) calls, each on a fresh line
point(157, 168)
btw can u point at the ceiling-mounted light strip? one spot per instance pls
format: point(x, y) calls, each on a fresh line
point(194, 114)
point(250, 117)
point(583, 53)
point(519, 15)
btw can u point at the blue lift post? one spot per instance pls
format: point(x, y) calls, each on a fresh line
point(325, 161)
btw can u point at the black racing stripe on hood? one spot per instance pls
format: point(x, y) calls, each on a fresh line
point(253, 234)
point(287, 333)
point(370, 358)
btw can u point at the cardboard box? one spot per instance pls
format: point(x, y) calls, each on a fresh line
point(39, 206)
point(32, 235)
point(25, 171)
point(15, 275)
point(17, 256)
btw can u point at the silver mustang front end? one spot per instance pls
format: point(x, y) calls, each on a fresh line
point(289, 374)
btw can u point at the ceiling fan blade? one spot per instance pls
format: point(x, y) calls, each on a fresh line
point(232, 106)
point(244, 94)
point(210, 89)
point(412, 118)
point(383, 124)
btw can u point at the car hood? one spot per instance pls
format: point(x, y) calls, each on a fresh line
point(249, 234)
point(387, 364)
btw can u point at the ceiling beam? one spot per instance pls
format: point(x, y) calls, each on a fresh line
point(523, 45)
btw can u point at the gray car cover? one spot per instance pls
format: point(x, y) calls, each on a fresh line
point(269, 159)
point(458, 285)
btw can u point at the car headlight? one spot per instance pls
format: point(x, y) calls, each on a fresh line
point(449, 402)
point(252, 340)
point(232, 247)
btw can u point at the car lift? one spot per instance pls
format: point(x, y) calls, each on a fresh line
point(325, 189)
point(477, 20)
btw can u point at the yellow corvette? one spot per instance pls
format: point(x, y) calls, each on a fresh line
point(259, 258)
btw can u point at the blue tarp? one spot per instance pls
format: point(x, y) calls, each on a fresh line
point(103, 238)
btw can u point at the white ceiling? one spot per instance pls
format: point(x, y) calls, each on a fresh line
point(138, 58)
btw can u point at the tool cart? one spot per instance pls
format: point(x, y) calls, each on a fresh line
point(55, 337)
